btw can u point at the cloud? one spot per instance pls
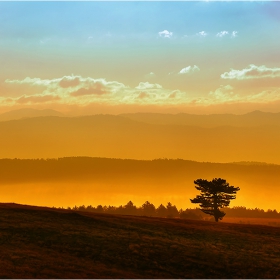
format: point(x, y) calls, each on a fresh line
point(234, 34)
point(66, 86)
point(264, 96)
point(69, 81)
point(32, 81)
point(81, 92)
point(37, 99)
point(150, 76)
point(252, 72)
point(189, 69)
point(165, 34)
point(223, 94)
point(148, 85)
point(222, 34)
point(173, 94)
point(202, 33)
point(96, 88)
point(28, 86)
point(142, 95)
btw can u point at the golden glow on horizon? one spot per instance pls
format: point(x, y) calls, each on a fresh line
point(88, 92)
point(69, 195)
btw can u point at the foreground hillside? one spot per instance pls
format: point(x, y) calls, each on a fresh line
point(47, 243)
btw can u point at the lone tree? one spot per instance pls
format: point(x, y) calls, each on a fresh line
point(214, 194)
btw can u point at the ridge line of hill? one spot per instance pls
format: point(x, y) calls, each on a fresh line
point(258, 163)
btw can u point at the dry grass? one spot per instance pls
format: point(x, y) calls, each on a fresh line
point(253, 221)
point(47, 243)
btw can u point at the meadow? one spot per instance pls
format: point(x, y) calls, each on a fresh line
point(40, 242)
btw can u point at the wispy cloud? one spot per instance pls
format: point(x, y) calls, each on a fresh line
point(223, 94)
point(33, 81)
point(222, 33)
point(84, 91)
point(148, 85)
point(252, 72)
point(37, 99)
point(96, 88)
point(77, 90)
point(202, 34)
point(143, 95)
point(234, 34)
point(189, 69)
point(165, 34)
point(69, 81)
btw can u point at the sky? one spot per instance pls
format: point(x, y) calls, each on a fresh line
point(117, 57)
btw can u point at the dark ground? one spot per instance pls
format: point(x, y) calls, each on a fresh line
point(41, 242)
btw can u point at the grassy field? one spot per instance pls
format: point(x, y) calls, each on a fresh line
point(41, 242)
point(253, 221)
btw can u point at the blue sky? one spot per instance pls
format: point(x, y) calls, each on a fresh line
point(130, 43)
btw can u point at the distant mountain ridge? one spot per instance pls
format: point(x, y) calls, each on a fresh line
point(255, 118)
point(252, 119)
point(28, 113)
point(121, 137)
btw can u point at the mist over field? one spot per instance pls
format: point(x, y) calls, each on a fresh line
point(93, 181)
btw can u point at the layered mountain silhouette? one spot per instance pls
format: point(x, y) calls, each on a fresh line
point(28, 113)
point(121, 137)
point(255, 118)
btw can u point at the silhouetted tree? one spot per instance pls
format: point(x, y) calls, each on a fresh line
point(172, 210)
point(130, 208)
point(148, 209)
point(89, 208)
point(161, 211)
point(189, 214)
point(214, 195)
point(99, 209)
point(120, 210)
point(111, 209)
point(82, 208)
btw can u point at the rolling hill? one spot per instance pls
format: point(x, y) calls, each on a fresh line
point(48, 243)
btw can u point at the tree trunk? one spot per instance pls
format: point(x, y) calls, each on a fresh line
point(216, 211)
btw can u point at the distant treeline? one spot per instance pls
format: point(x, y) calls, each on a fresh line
point(171, 211)
point(161, 170)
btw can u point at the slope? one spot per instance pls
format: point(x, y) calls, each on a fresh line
point(47, 243)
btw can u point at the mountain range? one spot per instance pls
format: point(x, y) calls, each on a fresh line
point(121, 136)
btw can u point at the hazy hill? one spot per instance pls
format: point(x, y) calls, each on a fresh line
point(28, 113)
point(121, 137)
point(92, 181)
point(253, 119)
point(47, 243)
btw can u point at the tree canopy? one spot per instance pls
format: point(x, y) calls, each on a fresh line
point(214, 195)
